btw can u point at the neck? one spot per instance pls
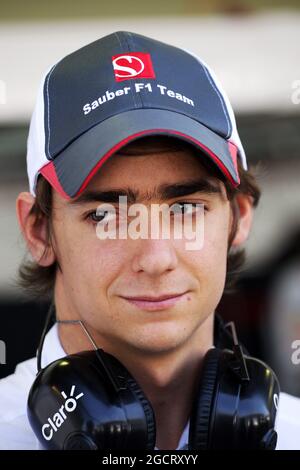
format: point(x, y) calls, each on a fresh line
point(170, 383)
point(168, 380)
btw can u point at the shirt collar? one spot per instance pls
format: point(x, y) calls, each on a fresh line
point(184, 439)
point(52, 348)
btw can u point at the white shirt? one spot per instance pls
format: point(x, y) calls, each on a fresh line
point(16, 433)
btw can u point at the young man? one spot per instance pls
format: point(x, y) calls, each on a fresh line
point(131, 116)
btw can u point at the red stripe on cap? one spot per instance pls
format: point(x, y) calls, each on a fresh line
point(233, 153)
point(48, 172)
point(219, 163)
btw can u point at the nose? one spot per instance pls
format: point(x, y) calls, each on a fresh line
point(154, 257)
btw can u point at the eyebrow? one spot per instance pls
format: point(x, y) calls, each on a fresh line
point(163, 192)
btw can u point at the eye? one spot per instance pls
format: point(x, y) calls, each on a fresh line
point(187, 207)
point(100, 216)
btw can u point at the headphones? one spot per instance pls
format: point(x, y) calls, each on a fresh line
point(89, 400)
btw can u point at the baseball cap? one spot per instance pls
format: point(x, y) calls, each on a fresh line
point(120, 88)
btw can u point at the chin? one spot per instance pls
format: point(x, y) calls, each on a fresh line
point(160, 338)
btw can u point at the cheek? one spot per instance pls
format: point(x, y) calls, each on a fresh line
point(88, 261)
point(209, 262)
point(216, 242)
point(215, 249)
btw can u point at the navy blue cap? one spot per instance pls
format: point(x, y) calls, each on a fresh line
point(118, 89)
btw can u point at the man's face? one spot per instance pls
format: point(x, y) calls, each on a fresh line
point(98, 276)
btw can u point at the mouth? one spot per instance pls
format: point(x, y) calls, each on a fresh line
point(155, 303)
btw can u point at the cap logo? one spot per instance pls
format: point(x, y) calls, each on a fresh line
point(132, 65)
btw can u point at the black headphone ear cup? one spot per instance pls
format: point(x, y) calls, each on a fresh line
point(148, 410)
point(121, 371)
point(204, 401)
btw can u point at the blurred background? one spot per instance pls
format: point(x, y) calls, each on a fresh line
point(254, 48)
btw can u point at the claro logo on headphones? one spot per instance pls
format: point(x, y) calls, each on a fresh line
point(54, 423)
point(132, 65)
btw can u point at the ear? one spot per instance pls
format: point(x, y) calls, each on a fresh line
point(244, 204)
point(34, 231)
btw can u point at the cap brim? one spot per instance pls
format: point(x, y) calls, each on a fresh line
point(71, 170)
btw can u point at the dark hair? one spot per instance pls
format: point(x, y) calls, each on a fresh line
point(39, 280)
